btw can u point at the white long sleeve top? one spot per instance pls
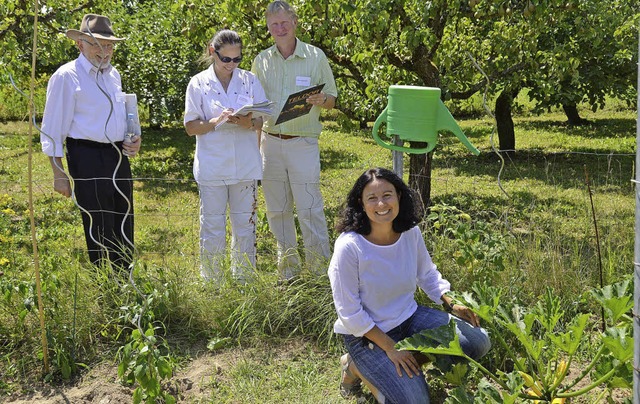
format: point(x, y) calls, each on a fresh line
point(375, 285)
point(229, 154)
point(77, 108)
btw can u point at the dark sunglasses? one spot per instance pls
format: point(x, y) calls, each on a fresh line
point(227, 59)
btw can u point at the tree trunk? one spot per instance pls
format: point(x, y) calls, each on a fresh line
point(420, 174)
point(420, 164)
point(504, 121)
point(573, 117)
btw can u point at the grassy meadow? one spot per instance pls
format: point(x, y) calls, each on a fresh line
point(522, 223)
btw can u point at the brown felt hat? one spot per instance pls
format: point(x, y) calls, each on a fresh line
point(94, 25)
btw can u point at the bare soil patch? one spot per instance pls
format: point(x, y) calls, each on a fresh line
point(98, 385)
point(191, 383)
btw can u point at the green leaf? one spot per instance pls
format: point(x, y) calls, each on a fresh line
point(140, 371)
point(548, 310)
point(570, 340)
point(623, 377)
point(616, 307)
point(217, 343)
point(492, 395)
point(65, 369)
point(619, 344)
point(137, 395)
point(153, 387)
point(130, 378)
point(126, 350)
point(143, 379)
point(513, 380)
point(603, 367)
point(616, 299)
point(122, 368)
point(164, 368)
point(459, 396)
point(488, 301)
point(533, 348)
point(440, 341)
point(456, 376)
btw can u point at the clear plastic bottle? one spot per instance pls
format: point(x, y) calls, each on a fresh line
point(131, 131)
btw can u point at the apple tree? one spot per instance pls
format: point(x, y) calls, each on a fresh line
point(587, 50)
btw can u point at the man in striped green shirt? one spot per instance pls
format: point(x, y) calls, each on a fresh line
point(290, 154)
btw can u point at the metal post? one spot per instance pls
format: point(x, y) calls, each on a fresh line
point(636, 259)
point(397, 157)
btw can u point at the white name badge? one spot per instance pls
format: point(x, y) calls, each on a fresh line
point(303, 81)
point(243, 99)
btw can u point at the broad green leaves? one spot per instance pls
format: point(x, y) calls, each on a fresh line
point(442, 340)
point(569, 341)
point(546, 344)
point(616, 299)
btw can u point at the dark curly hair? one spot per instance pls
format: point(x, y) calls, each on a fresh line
point(354, 218)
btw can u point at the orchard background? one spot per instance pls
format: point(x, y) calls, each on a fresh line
point(559, 77)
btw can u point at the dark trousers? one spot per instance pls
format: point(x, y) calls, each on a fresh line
point(107, 204)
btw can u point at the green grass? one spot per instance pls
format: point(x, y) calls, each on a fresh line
point(280, 341)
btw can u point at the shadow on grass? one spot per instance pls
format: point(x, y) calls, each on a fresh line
point(522, 205)
point(565, 170)
point(336, 159)
point(593, 129)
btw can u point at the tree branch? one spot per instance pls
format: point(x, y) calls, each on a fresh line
point(474, 88)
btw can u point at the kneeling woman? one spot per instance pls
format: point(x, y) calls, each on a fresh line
point(378, 261)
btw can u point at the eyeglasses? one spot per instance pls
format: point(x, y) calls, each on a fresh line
point(227, 59)
point(105, 46)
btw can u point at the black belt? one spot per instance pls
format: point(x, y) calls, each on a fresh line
point(91, 143)
point(283, 137)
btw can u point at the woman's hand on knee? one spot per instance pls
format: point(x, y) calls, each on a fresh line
point(404, 360)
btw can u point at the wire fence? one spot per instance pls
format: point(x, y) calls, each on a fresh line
point(166, 209)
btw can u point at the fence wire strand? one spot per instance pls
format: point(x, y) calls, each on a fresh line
point(157, 214)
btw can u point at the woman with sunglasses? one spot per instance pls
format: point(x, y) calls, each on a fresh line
point(227, 161)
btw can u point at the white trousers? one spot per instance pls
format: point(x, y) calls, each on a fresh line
point(291, 174)
point(241, 199)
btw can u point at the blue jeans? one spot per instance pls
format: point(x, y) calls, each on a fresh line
point(377, 368)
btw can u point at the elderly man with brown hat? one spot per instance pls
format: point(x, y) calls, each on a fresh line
point(85, 109)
